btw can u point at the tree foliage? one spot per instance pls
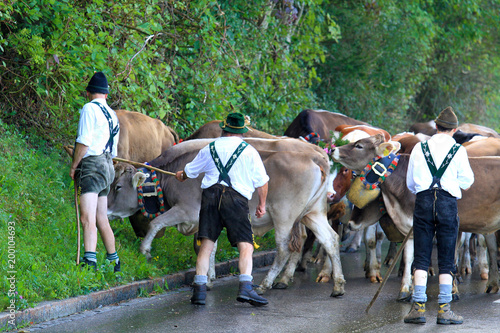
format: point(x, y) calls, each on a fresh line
point(185, 62)
point(386, 62)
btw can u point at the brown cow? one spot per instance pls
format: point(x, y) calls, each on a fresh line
point(297, 195)
point(484, 147)
point(143, 138)
point(318, 121)
point(478, 209)
point(349, 131)
point(429, 128)
point(213, 130)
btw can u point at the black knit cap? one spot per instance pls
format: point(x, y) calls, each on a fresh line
point(447, 118)
point(98, 84)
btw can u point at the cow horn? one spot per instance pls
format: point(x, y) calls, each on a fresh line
point(139, 179)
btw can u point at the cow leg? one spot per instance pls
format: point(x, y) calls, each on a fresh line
point(356, 242)
point(167, 219)
point(492, 285)
point(282, 255)
point(391, 253)
point(287, 276)
point(372, 265)
point(292, 262)
point(406, 281)
point(307, 251)
point(327, 237)
point(482, 253)
point(465, 262)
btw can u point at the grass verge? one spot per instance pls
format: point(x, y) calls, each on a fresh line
point(39, 232)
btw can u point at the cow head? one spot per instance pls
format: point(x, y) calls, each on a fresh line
point(357, 155)
point(122, 197)
point(341, 185)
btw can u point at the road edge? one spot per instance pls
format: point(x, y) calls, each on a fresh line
point(50, 310)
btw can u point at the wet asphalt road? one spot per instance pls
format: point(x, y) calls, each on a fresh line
point(305, 306)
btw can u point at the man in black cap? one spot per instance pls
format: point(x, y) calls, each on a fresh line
point(233, 170)
point(92, 169)
point(437, 172)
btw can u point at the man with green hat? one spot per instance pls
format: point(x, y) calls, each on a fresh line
point(233, 170)
point(437, 172)
point(92, 169)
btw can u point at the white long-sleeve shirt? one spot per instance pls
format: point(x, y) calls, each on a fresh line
point(457, 176)
point(246, 174)
point(93, 128)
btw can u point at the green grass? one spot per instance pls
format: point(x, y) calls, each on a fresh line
point(37, 209)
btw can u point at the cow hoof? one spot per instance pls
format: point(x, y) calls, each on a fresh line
point(260, 290)
point(323, 279)
point(491, 289)
point(388, 263)
point(300, 269)
point(455, 297)
point(337, 293)
point(404, 297)
point(351, 250)
point(484, 276)
point(280, 285)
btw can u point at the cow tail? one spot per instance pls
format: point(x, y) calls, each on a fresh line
point(298, 232)
point(174, 133)
point(297, 236)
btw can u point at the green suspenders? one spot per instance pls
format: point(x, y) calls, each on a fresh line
point(224, 170)
point(438, 173)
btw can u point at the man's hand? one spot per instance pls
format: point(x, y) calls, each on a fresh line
point(261, 210)
point(180, 176)
point(261, 206)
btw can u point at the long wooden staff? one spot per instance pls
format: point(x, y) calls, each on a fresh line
point(389, 271)
point(77, 225)
point(143, 165)
point(118, 159)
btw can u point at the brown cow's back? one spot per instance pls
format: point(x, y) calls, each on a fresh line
point(213, 130)
point(319, 121)
point(143, 138)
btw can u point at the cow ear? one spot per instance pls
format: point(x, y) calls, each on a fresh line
point(139, 179)
point(385, 148)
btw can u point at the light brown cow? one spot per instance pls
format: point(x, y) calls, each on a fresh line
point(349, 131)
point(143, 138)
point(213, 130)
point(297, 196)
point(484, 147)
point(479, 208)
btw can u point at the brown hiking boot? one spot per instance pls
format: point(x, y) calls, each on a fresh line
point(446, 316)
point(416, 314)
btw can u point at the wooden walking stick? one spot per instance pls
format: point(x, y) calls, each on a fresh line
point(69, 150)
point(144, 166)
point(77, 208)
point(389, 271)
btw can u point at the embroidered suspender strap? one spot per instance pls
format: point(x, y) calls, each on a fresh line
point(224, 170)
point(112, 131)
point(438, 173)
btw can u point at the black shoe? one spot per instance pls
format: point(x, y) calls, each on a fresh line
point(117, 267)
point(89, 264)
point(248, 295)
point(199, 294)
